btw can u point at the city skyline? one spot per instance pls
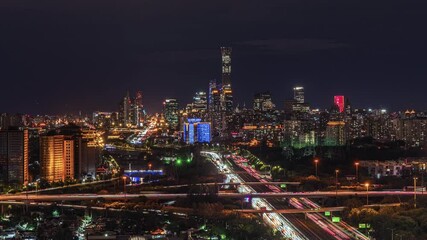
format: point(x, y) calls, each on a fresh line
point(85, 60)
point(302, 120)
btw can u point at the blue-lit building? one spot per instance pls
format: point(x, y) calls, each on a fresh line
point(196, 131)
point(204, 132)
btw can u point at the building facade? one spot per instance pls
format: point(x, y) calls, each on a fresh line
point(14, 157)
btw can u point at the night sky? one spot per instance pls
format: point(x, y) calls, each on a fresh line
point(66, 56)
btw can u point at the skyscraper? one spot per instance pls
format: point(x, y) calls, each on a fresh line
point(227, 93)
point(335, 134)
point(214, 106)
point(339, 102)
point(299, 94)
point(214, 96)
point(297, 104)
point(125, 111)
point(137, 110)
point(14, 156)
point(57, 157)
point(200, 102)
point(170, 110)
point(263, 102)
point(196, 131)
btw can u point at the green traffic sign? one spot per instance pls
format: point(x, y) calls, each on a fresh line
point(364, 225)
point(336, 219)
point(327, 214)
point(283, 185)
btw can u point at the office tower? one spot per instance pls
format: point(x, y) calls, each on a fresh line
point(410, 128)
point(297, 105)
point(11, 120)
point(335, 133)
point(339, 102)
point(263, 102)
point(204, 132)
point(137, 110)
point(299, 94)
point(79, 155)
point(56, 157)
point(125, 112)
point(214, 106)
point(226, 91)
point(196, 131)
point(102, 119)
point(214, 96)
point(14, 156)
point(200, 102)
point(170, 111)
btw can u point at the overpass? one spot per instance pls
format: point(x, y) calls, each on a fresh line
point(227, 184)
point(312, 210)
point(122, 196)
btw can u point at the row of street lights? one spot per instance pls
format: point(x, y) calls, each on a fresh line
point(356, 164)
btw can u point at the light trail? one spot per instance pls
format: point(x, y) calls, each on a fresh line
point(274, 220)
point(338, 231)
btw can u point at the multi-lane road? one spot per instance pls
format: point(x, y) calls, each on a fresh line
point(313, 225)
point(309, 229)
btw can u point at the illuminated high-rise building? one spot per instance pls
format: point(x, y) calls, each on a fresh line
point(299, 94)
point(125, 111)
point(226, 91)
point(196, 131)
point(214, 106)
point(263, 102)
point(14, 156)
point(170, 111)
point(137, 110)
point(339, 102)
point(214, 96)
point(335, 133)
point(200, 102)
point(57, 157)
point(69, 152)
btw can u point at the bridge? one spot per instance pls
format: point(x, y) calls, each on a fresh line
point(123, 196)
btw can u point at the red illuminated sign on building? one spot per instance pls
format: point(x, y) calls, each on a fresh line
point(339, 101)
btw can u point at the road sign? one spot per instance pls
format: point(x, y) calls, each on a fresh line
point(327, 214)
point(336, 219)
point(364, 225)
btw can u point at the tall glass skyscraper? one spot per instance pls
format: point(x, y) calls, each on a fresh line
point(227, 93)
point(299, 94)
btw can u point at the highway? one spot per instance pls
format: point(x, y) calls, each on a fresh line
point(323, 224)
point(71, 186)
point(81, 197)
point(226, 184)
point(309, 228)
point(274, 220)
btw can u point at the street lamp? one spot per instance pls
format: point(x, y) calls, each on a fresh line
point(336, 178)
point(124, 185)
point(367, 195)
point(336, 185)
point(356, 164)
point(415, 192)
point(316, 161)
